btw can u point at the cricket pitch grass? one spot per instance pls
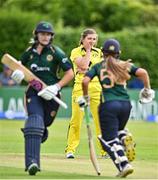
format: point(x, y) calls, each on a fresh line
point(54, 165)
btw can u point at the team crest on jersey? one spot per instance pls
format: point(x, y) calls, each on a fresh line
point(49, 57)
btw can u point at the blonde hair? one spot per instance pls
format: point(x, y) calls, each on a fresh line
point(85, 33)
point(118, 68)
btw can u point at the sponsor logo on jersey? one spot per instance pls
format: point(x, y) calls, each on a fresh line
point(36, 68)
point(49, 57)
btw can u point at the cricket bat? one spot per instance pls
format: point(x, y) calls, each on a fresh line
point(92, 152)
point(35, 82)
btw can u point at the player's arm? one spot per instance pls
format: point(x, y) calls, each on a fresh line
point(67, 68)
point(142, 74)
point(85, 84)
point(84, 100)
point(88, 77)
point(82, 62)
point(50, 91)
point(147, 94)
point(68, 76)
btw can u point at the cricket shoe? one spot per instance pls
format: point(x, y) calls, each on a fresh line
point(70, 155)
point(129, 146)
point(32, 169)
point(128, 169)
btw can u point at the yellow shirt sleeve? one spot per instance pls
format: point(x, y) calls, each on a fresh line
point(75, 53)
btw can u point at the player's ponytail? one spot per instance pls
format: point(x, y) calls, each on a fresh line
point(118, 68)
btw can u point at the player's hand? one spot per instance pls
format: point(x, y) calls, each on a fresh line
point(49, 92)
point(83, 101)
point(88, 46)
point(146, 95)
point(17, 76)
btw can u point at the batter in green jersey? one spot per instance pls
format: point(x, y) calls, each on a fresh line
point(45, 61)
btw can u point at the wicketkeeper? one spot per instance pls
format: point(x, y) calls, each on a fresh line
point(44, 60)
point(115, 108)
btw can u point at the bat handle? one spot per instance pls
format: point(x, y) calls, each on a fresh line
point(64, 105)
point(87, 114)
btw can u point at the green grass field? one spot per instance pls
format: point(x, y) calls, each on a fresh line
point(54, 165)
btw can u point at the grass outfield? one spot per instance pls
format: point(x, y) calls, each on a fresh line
point(54, 165)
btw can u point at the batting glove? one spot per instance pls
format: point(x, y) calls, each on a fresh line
point(83, 101)
point(17, 76)
point(49, 92)
point(146, 95)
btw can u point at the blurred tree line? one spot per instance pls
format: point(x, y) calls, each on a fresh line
point(133, 23)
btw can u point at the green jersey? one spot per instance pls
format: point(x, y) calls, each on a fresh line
point(47, 64)
point(116, 92)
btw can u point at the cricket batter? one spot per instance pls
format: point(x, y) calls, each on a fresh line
point(44, 60)
point(115, 108)
point(83, 57)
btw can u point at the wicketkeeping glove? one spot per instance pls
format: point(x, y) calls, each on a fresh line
point(49, 92)
point(146, 95)
point(17, 76)
point(83, 101)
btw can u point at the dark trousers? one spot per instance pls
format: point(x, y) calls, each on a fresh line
point(37, 105)
point(113, 117)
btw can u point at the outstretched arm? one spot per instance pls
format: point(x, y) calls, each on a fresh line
point(142, 74)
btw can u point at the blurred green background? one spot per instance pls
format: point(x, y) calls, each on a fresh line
point(133, 23)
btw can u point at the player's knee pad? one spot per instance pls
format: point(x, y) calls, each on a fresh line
point(33, 132)
point(34, 125)
point(115, 151)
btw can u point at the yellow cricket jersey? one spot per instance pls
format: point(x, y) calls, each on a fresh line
point(96, 57)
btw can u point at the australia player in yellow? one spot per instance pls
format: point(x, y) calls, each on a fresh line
point(83, 57)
